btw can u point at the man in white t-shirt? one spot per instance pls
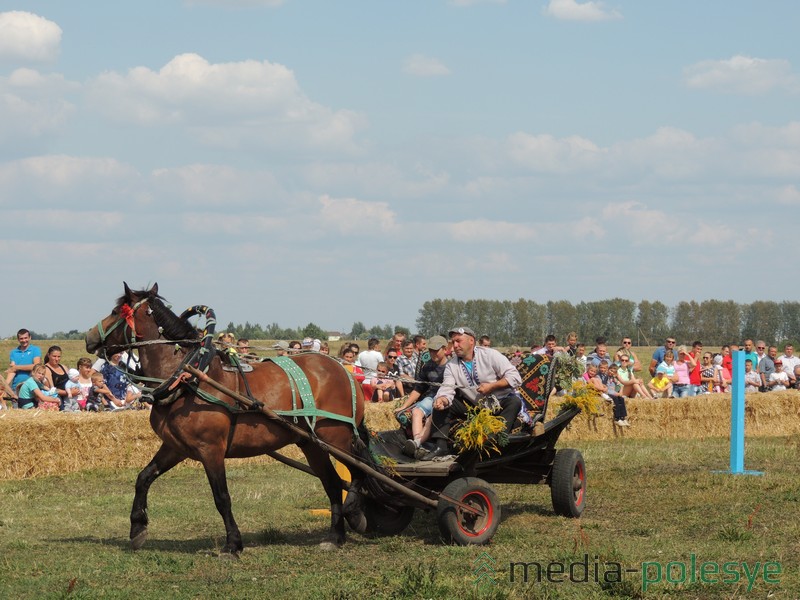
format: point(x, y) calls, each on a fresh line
point(369, 358)
point(790, 361)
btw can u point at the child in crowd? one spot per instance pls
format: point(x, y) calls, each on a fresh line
point(73, 389)
point(752, 380)
point(660, 386)
point(779, 380)
point(33, 394)
point(383, 386)
point(722, 376)
point(100, 397)
point(580, 356)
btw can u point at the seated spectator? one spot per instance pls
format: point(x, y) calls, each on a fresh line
point(778, 379)
point(244, 352)
point(407, 362)
point(600, 354)
point(116, 378)
point(660, 353)
point(396, 343)
point(384, 388)
point(73, 389)
point(602, 382)
point(660, 386)
point(56, 375)
point(580, 355)
point(295, 347)
point(34, 394)
point(394, 373)
point(752, 380)
point(707, 378)
point(369, 358)
point(572, 344)
point(722, 376)
point(281, 347)
point(796, 384)
point(310, 345)
point(630, 385)
point(102, 398)
point(550, 347)
point(348, 359)
point(682, 386)
point(727, 356)
point(626, 350)
point(324, 348)
point(84, 380)
point(420, 400)
point(669, 365)
point(485, 341)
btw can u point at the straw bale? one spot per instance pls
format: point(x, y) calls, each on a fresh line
point(45, 443)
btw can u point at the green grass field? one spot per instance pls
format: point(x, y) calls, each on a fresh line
point(653, 502)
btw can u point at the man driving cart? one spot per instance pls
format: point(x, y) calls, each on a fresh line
point(478, 368)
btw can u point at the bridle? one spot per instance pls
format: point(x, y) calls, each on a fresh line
point(125, 314)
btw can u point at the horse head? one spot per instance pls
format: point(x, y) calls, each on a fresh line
point(138, 316)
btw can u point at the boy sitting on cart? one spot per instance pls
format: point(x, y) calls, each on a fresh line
point(477, 367)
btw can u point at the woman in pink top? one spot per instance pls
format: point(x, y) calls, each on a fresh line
point(682, 387)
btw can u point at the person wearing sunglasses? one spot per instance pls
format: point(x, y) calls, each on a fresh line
point(658, 355)
point(626, 350)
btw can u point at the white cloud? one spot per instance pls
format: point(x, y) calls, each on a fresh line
point(789, 196)
point(474, 2)
point(349, 215)
point(216, 185)
point(545, 153)
point(67, 181)
point(424, 66)
point(28, 37)
point(742, 75)
point(571, 10)
point(234, 3)
point(238, 227)
point(247, 103)
point(485, 230)
point(33, 104)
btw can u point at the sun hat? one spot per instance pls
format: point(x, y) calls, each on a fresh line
point(281, 345)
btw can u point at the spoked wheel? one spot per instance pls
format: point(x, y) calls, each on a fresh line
point(461, 525)
point(568, 483)
point(383, 519)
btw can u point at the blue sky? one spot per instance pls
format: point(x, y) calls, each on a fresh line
point(295, 161)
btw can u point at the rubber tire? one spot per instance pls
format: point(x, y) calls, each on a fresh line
point(568, 483)
point(384, 520)
point(459, 526)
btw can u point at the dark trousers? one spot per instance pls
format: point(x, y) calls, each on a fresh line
point(620, 410)
point(443, 419)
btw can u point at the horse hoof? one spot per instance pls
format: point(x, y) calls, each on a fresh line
point(138, 540)
point(329, 546)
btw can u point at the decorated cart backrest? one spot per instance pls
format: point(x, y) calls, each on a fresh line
point(538, 373)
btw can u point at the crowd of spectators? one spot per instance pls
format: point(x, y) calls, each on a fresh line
point(49, 385)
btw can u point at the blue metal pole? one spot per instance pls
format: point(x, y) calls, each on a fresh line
point(737, 413)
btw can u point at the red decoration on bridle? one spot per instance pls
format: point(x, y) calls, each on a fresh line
point(126, 312)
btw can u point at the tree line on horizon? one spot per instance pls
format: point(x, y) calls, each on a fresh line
point(525, 322)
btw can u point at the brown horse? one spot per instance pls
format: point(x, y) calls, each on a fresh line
point(191, 427)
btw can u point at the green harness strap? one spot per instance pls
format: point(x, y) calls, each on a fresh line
point(299, 384)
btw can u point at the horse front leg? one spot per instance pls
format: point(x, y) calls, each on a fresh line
point(320, 463)
point(215, 471)
point(163, 461)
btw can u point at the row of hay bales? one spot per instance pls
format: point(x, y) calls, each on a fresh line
point(43, 443)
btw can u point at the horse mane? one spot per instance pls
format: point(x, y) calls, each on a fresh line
point(172, 326)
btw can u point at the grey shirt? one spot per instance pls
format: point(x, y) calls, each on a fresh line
point(489, 366)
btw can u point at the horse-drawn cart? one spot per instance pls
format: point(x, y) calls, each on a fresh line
point(205, 410)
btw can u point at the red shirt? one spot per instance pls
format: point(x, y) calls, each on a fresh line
point(694, 374)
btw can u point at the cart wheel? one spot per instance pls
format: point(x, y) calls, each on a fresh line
point(386, 520)
point(568, 483)
point(462, 526)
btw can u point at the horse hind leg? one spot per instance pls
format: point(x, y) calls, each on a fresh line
point(163, 461)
